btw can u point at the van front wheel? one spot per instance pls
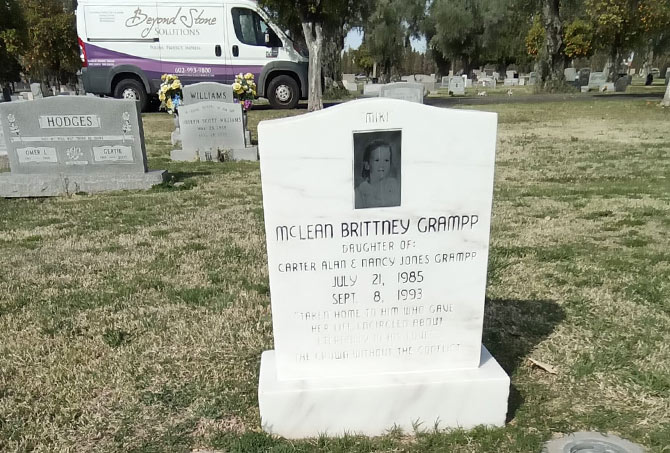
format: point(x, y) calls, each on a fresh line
point(132, 89)
point(283, 92)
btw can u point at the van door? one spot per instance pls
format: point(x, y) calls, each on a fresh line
point(247, 47)
point(193, 42)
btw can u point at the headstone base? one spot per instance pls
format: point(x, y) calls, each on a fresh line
point(53, 185)
point(4, 161)
point(181, 155)
point(248, 153)
point(373, 404)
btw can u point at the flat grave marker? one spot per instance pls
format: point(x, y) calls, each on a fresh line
point(66, 144)
point(377, 257)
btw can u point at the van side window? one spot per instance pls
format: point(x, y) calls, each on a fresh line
point(250, 28)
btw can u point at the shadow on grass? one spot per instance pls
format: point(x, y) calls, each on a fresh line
point(512, 328)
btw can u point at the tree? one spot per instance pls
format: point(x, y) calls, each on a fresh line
point(10, 42)
point(46, 43)
point(317, 20)
point(617, 28)
point(554, 60)
point(385, 38)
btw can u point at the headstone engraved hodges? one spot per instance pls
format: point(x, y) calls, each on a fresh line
point(377, 245)
point(63, 145)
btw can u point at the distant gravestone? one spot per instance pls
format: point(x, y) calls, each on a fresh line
point(510, 82)
point(510, 74)
point(350, 86)
point(583, 76)
point(36, 90)
point(533, 78)
point(457, 86)
point(377, 289)
point(468, 83)
point(406, 91)
point(67, 144)
point(444, 83)
point(349, 78)
point(212, 131)
point(570, 74)
point(597, 80)
point(207, 91)
point(371, 89)
point(4, 160)
point(488, 82)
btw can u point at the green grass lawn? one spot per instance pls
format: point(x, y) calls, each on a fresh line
point(135, 321)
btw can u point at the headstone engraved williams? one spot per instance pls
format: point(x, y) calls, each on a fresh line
point(405, 91)
point(207, 91)
point(377, 259)
point(211, 130)
point(67, 144)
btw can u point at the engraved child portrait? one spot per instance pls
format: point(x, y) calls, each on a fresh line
point(377, 169)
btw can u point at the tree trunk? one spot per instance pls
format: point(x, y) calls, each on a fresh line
point(332, 55)
point(555, 62)
point(666, 99)
point(314, 39)
point(648, 59)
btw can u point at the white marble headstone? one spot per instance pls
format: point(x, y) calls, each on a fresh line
point(457, 85)
point(377, 244)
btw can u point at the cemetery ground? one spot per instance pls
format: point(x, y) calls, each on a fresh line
point(135, 321)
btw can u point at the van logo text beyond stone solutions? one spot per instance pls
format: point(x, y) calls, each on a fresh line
point(194, 16)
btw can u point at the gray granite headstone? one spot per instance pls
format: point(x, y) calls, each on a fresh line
point(457, 85)
point(406, 91)
point(583, 76)
point(211, 128)
point(66, 144)
point(570, 74)
point(207, 91)
point(597, 80)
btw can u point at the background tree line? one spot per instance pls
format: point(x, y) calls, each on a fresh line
point(38, 39)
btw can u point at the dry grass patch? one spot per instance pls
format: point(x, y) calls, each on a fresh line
point(134, 321)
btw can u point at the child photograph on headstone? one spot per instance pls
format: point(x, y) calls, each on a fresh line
point(377, 169)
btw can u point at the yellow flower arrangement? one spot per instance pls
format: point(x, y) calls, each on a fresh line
point(244, 89)
point(170, 92)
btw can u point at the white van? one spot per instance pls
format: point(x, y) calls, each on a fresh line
point(127, 45)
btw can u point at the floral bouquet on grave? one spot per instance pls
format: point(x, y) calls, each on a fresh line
point(244, 89)
point(170, 93)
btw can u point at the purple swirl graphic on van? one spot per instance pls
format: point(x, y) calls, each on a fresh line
point(225, 73)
